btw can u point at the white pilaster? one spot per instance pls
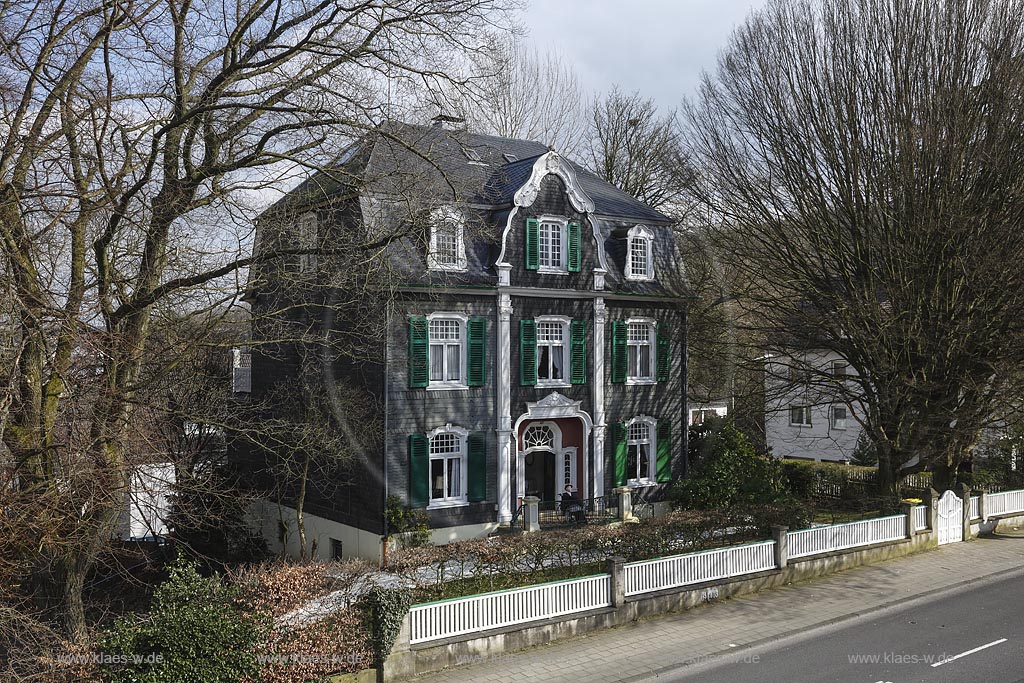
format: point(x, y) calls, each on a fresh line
point(600, 318)
point(504, 402)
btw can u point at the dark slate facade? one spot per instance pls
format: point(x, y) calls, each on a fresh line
point(500, 188)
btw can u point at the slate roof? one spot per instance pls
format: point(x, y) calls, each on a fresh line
point(435, 158)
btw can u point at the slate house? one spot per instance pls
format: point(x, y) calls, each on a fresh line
point(535, 339)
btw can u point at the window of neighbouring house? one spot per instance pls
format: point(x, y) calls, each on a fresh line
point(839, 368)
point(640, 260)
point(640, 337)
point(640, 444)
point(448, 466)
point(241, 371)
point(838, 415)
point(337, 549)
point(308, 241)
point(447, 240)
point(446, 351)
point(552, 351)
point(699, 417)
point(800, 416)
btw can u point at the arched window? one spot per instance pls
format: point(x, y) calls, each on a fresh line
point(448, 465)
point(641, 444)
point(640, 259)
point(538, 436)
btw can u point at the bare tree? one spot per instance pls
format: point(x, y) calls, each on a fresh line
point(515, 91)
point(637, 149)
point(861, 164)
point(136, 136)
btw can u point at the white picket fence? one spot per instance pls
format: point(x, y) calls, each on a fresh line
point(447, 618)
point(708, 565)
point(975, 509)
point(1005, 503)
point(920, 517)
point(842, 536)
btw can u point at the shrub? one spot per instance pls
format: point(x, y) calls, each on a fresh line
point(731, 475)
point(412, 523)
point(194, 632)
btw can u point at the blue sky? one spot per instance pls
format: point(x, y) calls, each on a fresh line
point(658, 47)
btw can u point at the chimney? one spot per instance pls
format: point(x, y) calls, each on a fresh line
point(448, 122)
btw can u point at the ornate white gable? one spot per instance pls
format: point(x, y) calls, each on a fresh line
point(551, 162)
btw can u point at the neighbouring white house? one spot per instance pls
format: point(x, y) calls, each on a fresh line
point(147, 503)
point(808, 411)
point(702, 412)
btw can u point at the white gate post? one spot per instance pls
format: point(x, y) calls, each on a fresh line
point(964, 494)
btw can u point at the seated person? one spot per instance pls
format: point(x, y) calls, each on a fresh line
point(573, 506)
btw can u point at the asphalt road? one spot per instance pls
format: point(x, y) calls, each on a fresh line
point(958, 636)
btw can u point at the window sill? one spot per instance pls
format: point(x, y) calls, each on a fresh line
point(552, 384)
point(447, 387)
point(635, 278)
point(799, 425)
point(640, 483)
point(448, 269)
point(442, 504)
point(640, 381)
point(548, 270)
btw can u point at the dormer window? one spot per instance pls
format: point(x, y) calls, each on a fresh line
point(447, 240)
point(640, 258)
point(552, 245)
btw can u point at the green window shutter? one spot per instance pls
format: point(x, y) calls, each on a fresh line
point(532, 245)
point(664, 474)
point(621, 452)
point(578, 352)
point(527, 352)
point(663, 362)
point(476, 338)
point(419, 470)
point(476, 445)
point(419, 344)
point(618, 351)
point(574, 247)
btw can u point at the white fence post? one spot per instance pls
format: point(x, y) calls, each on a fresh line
point(983, 506)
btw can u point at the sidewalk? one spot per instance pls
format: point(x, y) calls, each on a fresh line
point(645, 649)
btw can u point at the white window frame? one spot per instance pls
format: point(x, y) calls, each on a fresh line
point(461, 455)
point(835, 422)
point(434, 385)
point(640, 235)
point(562, 225)
point(563, 322)
point(632, 478)
point(805, 415)
point(447, 216)
point(652, 339)
point(308, 228)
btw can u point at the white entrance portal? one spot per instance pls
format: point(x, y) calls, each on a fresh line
point(543, 438)
point(951, 518)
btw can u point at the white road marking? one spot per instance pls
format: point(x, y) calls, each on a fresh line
point(969, 652)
